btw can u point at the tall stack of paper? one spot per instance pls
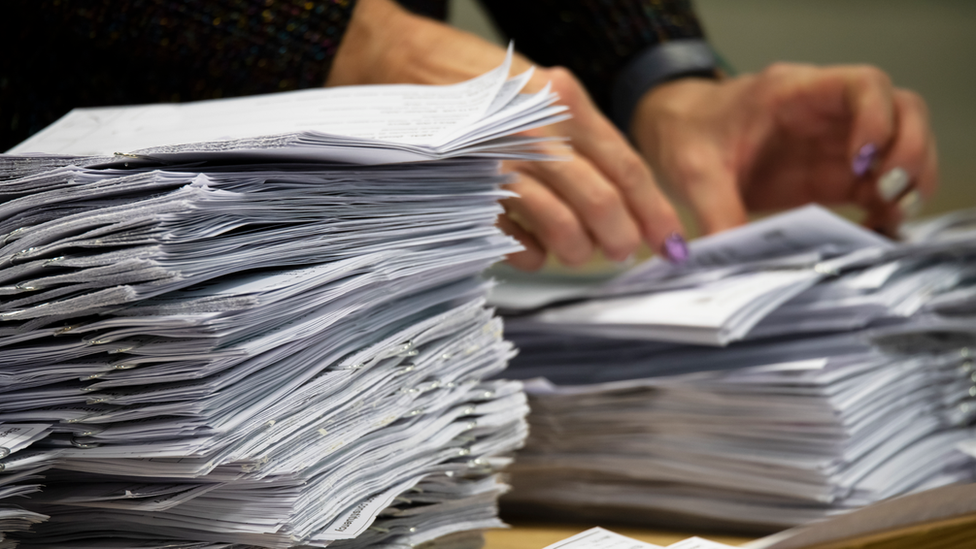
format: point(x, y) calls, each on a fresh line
point(846, 378)
point(239, 339)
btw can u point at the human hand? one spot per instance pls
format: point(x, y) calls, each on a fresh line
point(602, 197)
point(790, 135)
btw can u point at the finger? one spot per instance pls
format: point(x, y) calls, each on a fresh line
point(928, 177)
point(709, 185)
point(549, 220)
point(869, 96)
point(533, 257)
point(596, 203)
point(908, 167)
point(598, 141)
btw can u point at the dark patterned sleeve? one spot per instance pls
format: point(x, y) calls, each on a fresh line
point(61, 54)
point(617, 48)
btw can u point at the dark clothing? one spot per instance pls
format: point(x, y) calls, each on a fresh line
point(595, 39)
point(61, 54)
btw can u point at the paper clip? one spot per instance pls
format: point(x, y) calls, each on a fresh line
point(10, 315)
point(122, 349)
point(11, 234)
point(77, 444)
point(825, 269)
point(404, 349)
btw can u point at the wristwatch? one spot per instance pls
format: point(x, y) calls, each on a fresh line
point(656, 65)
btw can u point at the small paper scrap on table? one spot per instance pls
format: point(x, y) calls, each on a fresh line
point(599, 538)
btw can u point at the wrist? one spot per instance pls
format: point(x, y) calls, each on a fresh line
point(376, 41)
point(654, 67)
point(386, 44)
point(664, 106)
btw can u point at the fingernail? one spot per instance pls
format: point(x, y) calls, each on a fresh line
point(676, 249)
point(911, 204)
point(892, 184)
point(864, 160)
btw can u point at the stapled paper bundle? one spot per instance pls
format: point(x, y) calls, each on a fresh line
point(263, 324)
point(797, 368)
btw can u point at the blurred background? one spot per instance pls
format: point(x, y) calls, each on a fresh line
point(928, 46)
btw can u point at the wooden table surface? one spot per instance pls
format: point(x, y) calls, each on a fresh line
point(539, 535)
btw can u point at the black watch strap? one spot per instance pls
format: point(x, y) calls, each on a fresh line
point(656, 65)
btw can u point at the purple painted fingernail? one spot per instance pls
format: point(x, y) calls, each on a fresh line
point(864, 160)
point(676, 249)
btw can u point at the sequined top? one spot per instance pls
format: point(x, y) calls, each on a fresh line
point(61, 54)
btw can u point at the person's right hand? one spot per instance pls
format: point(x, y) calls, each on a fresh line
point(602, 197)
point(790, 135)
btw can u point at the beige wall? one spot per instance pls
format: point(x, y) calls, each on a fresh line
point(929, 46)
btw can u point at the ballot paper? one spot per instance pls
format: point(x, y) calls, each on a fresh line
point(599, 538)
point(360, 124)
point(733, 281)
point(262, 324)
point(756, 388)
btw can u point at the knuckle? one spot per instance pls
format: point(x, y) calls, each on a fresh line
point(557, 229)
point(871, 75)
point(602, 203)
point(879, 76)
point(780, 72)
point(565, 84)
point(772, 86)
point(562, 75)
point(564, 240)
point(633, 174)
point(915, 101)
point(690, 164)
point(622, 245)
point(777, 70)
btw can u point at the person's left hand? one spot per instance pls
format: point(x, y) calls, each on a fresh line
point(790, 135)
point(602, 197)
